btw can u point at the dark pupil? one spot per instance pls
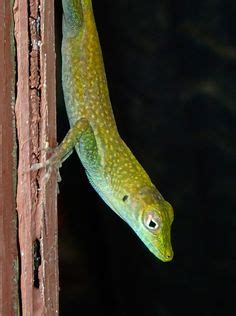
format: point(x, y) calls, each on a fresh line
point(152, 224)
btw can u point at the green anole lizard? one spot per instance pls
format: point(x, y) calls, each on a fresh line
point(109, 164)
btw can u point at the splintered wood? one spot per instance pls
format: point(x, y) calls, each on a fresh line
point(36, 127)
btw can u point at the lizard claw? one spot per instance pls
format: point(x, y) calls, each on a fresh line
point(39, 165)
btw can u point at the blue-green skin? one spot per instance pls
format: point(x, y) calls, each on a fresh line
point(110, 166)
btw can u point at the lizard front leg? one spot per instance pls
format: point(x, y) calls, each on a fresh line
point(62, 152)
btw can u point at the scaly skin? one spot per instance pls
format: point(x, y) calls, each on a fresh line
point(111, 167)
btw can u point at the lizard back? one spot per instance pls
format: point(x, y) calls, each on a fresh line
point(83, 75)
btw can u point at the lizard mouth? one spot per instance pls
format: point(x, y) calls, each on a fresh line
point(168, 256)
point(163, 256)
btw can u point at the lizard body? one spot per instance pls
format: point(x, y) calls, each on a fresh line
point(110, 166)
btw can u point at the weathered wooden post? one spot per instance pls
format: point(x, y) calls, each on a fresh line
point(28, 237)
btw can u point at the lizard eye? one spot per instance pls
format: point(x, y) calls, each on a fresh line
point(151, 220)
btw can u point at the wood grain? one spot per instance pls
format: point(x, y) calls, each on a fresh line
point(36, 127)
point(8, 217)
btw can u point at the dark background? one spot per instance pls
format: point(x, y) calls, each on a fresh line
point(171, 69)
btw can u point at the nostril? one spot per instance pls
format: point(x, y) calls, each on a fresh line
point(169, 255)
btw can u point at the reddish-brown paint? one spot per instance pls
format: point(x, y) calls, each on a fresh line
point(8, 219)
point(36, 122)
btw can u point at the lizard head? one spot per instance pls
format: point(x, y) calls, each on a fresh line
point(154, 229)
point(152, 222)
